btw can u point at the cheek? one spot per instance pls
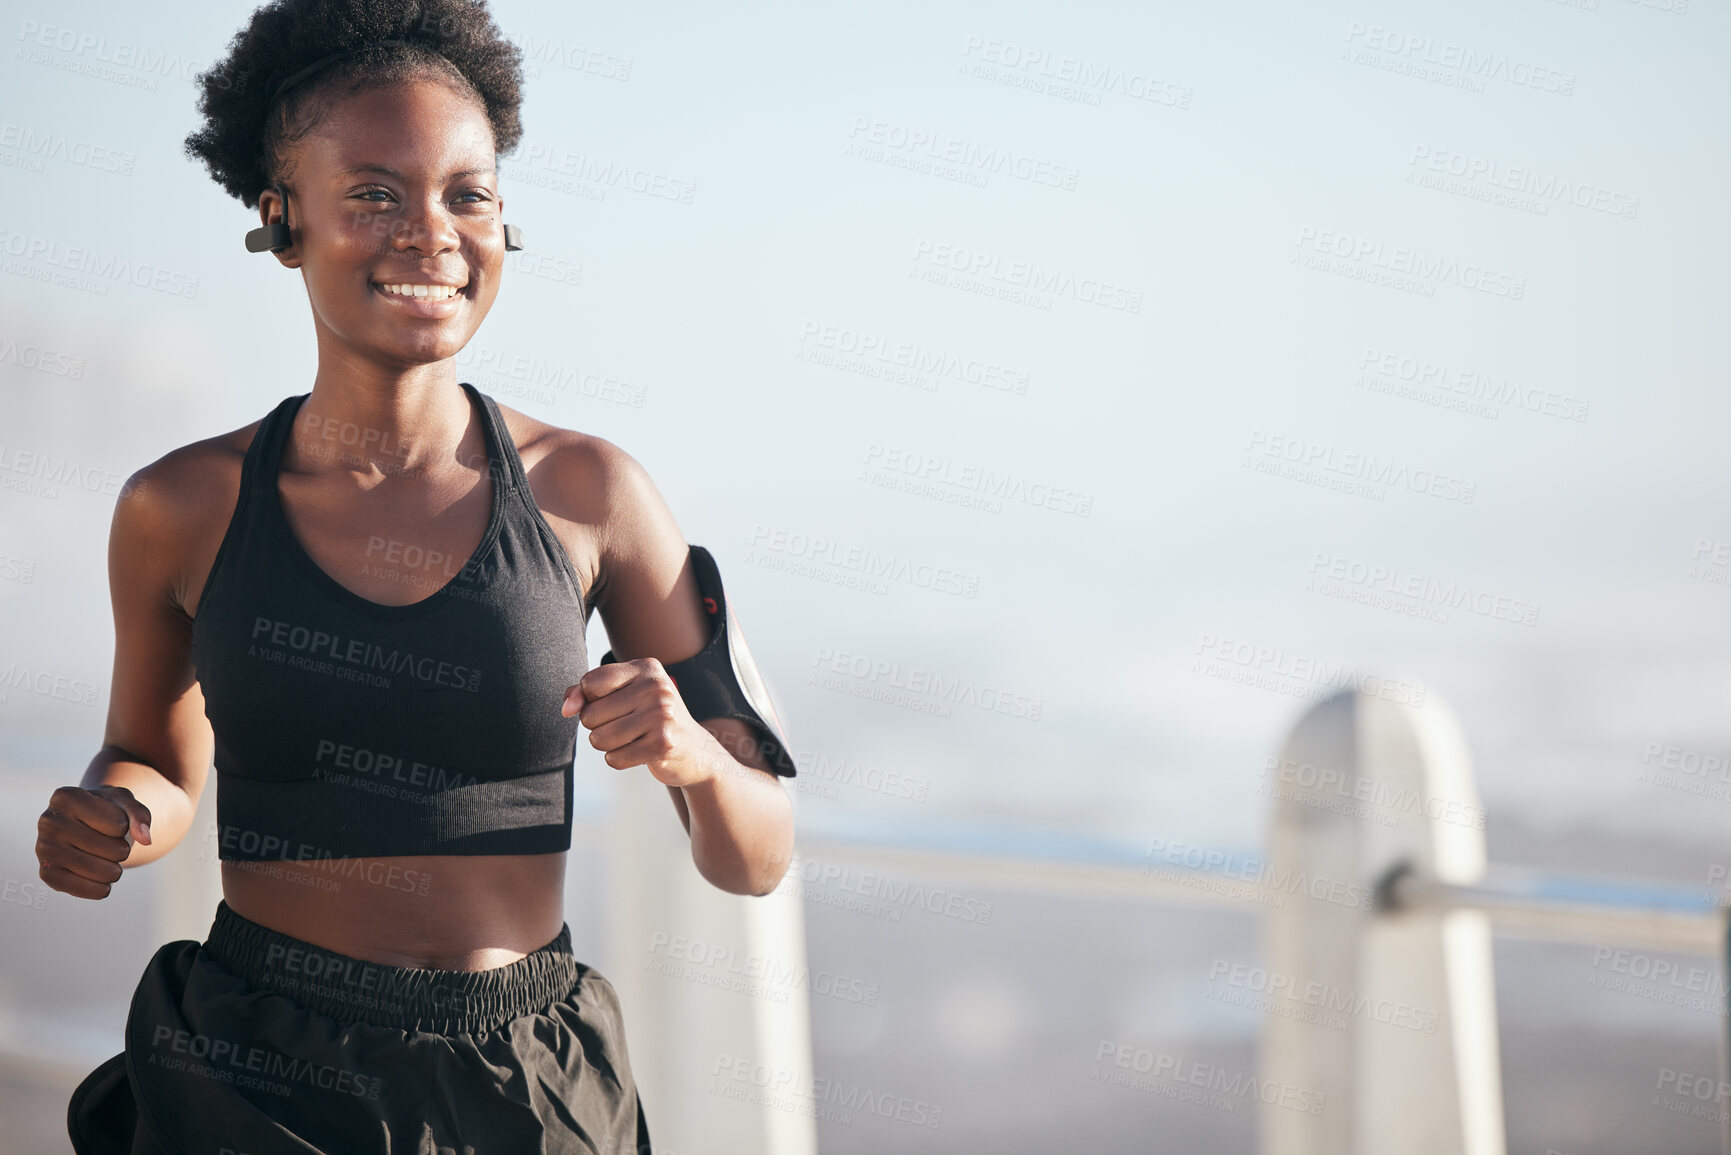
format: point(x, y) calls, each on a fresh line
point(359, 237)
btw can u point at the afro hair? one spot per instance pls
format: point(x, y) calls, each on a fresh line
point(244, 133)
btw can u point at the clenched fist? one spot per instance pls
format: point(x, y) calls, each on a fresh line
point(84, 836)
point(636, 717)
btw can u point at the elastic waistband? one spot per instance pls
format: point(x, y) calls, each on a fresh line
point(405, 998)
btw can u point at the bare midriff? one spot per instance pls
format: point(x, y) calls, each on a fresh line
point(445, 912)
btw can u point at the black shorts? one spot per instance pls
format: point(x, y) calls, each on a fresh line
point(255, 1043)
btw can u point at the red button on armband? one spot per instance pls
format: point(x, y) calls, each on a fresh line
point(709, 604)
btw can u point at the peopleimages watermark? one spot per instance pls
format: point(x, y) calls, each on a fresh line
point(29, 894)
point(1660, 980)
point(393, 775)
point(755, 974)
point(1174, 1077)
point(946, 479)
point(88, 270)
point(1673, 767)
point(265, 851)
point(243, 1063)
point(546, 267)
point(17, 569)
point(39, 474)
point(809, 554)
point(1448, 61)
point(877, 895)
point(315, 973)
point(908, 363)
point(1282, 995)
point(29, 355)
point(353, 659)
point(1399, 267)
point(736, 1077)
point(1348, 471)
point(544, 380)
point(33, 146)
point(1213, 870)
point(570, 171)
point(1463, 389)
point(22, 677)
point(1481, 178)
point(1371, 799)
point(1698, 1096)
point(539, 50)
point(117, 61)
point(1391, 588)
point(1719, 884)
point(940, 154)
point(1270, 668)
point(1020, 282)
point(894, 681)
point(824, 774)
point(1065, 77)
point(1711, 562)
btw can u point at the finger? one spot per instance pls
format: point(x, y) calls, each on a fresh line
point(638, 753)
point(77, 862)
point(632, 697)
point(620, 732)
point(59, 830)
point(574, 700)
point(97, 810)
point(63, 880)
point(611, 676)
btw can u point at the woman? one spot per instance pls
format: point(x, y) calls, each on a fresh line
point(393, 725)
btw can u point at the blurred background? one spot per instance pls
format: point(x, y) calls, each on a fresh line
point(1071, 394)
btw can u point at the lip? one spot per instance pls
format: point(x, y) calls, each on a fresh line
point(423, 306)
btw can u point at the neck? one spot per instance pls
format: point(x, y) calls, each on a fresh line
point(399, 420)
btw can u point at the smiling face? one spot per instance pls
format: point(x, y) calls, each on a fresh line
point(394, 205)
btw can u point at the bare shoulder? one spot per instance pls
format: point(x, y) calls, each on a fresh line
point(598, 498)
point(172, 513)
point(580, 477)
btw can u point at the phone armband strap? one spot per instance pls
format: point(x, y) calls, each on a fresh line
point(721, 680)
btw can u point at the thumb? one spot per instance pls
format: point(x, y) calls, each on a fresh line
point(137, 813)
point(575, 699)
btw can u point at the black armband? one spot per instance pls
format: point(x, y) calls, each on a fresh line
point(721, 680)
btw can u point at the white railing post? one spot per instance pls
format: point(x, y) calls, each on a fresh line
point(1364, 785)
point(188, 879)
point(714, 991)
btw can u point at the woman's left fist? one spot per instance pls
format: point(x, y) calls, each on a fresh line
point(636, 717)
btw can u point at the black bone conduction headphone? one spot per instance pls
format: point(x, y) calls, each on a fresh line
point(274, 237)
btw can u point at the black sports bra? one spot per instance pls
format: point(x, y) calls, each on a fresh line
point(348, 728)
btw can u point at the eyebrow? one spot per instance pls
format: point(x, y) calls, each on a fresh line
point(353, 170)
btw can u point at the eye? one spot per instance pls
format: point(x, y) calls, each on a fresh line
point(481, 195)
point(368, 193)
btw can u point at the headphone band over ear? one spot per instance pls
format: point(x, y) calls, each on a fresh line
point(275, 237)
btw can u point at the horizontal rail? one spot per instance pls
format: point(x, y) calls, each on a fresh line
point(1529, 905)
point(1591, 910)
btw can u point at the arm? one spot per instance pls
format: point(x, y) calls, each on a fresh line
point(732, 805)
point(136, 799)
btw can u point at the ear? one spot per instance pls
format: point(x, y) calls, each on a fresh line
point(270, 209)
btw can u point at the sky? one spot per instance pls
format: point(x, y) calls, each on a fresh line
point(1135, 370)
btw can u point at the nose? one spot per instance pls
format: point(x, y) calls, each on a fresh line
point(425, 227)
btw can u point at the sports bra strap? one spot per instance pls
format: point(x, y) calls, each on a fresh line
point(266, 448)
point(501, 447)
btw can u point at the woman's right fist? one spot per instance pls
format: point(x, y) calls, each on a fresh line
point(84, 836)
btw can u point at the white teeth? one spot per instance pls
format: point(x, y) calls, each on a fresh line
point(430, 292)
